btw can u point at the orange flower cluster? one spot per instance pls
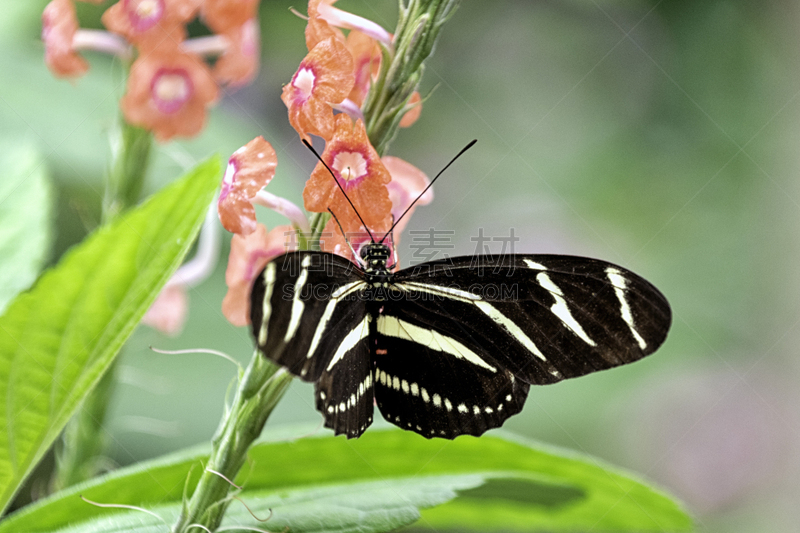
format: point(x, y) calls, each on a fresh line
point(170, 85)
point(335, 76)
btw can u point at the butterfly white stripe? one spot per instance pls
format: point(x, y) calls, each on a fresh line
point(559, 308)
point(487, 308)
point(620, 285)
point(338, 294)
point(438, 290)
point(356, 335)
point(269, 283)
point(509, 325)
point(297, 304)
point(394, 327)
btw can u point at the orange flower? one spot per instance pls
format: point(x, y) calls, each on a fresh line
point(359, 170)
point(225, 15)
point(250, 168)
point(168, 92)
point(248, 256)
point(59, 24)
point(150, 23)
point(414, 106)
point(367, 63)
point(325, 77)
point(239, 64)
point(407, 184)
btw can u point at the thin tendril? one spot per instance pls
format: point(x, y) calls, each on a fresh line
point(467, 147)
point(251, 512)
point(121, 506)
point(199, 350)
point(239, 528)
point(223, 477)
point(308, 144)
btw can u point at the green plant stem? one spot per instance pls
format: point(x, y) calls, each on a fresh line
point(260, 388)
point(417, 30)
point(80, 450)
point(79, 453)
point(131, 149)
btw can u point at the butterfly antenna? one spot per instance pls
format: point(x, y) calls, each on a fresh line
point(308, 145)
point(467, 147)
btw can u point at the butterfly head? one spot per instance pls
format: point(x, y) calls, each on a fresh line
point(375, 256)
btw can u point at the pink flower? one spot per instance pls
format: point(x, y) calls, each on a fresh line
point(238, 65)
point(249, 254)
point(407, 183)
point(59, 24)
point(168, 313)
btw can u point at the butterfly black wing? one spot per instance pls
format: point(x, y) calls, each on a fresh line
point(477, 330)
point(308, 315)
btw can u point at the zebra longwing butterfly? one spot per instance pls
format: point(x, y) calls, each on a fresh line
point(448, 347)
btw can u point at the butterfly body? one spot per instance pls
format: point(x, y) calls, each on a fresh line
point(448, 347)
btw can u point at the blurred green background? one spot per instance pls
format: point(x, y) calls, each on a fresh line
point(658, 135)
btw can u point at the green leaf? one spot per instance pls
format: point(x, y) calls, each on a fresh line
point(377, 483)
point(25, 211)
point(57, 339)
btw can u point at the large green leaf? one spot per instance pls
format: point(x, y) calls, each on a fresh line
point(378, 483)
point(25, 211)
point(57, 339)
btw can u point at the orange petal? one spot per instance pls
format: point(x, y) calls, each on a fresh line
point(414, 106)
point(367, 63)
point(407, 184)
point(318, 29)
point(59, 24)
point(249, 170)
point(168, 313)
point(239, 64)
point(225, 15)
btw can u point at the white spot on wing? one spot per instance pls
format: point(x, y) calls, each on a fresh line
point(534, 265)
point(620, 284)
point(509, 325)
point(560, 308)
